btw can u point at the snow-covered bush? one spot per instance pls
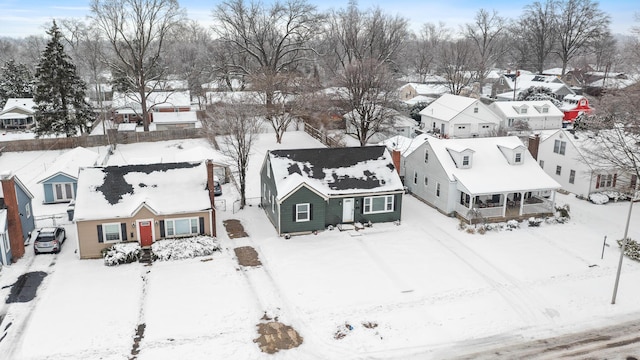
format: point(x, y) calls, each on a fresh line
point(184, 248)
point(598, 198)
point(121, 253)
point(563, 211)
point(615, 195)
point(534, 222)
point(632, 250)
point(512, 224)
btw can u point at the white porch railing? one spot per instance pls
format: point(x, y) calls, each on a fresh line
point(544, 206)
point(488, 212)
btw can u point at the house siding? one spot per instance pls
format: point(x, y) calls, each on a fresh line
point(287, 212)
point(26, 217)
point(48, 187)
point(90, 247)
point(267, 196)
point(584, 182)
point(435, 173)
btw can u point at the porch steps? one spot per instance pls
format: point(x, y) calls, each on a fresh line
point(146, 256)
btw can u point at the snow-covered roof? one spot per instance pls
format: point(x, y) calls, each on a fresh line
point(555, 71)
point(127, 126)
point(119, 191)
point(181, 117)
point(429, 89)
point(334, 171)
point(244, 97)
point(201, 153)
point(512, 109)
point(420, 99)
point(159, 85)
point(613, 83)
point(20, 184)
point(157, 99)
point(18, 106)
point(70, 162)
point(404, 144)
point(398, 119)
point(490, 171)
point(447, 106)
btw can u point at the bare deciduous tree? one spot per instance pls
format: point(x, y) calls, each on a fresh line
point(274, 40)
point(427, 47)
point(533, 36)
point(137, 31)
point(368, 92)
point(455, 63)
point(579, 23)
point(236, 127)
point(487, 34)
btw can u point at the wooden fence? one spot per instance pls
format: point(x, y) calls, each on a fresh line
point(112, 137)
point(322, 136)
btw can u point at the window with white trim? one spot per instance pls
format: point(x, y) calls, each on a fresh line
point(559, 147)
point(518, 157)
point(181, 227)
point(111, 232)
point(303, 212)
point(415, 177)
point(27, 210)
point(465, 160)
point(426, 181)
point(475, 110)
point(378, 204)
point(542, 164)
point(438, 189)
point(62, 191)
point(545, 110)
point(606, 180)
point(426, 156)
point(558, 170)
point(572, 176)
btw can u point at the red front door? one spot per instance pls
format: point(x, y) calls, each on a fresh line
point(146, 233)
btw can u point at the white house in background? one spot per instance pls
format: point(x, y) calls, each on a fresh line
point(494, 178)
point(402, 147)
point(457, 116)
point(18, 113)
point(563, 155)
point(432, 90)
point(538, 115)
point(127, 106)
point(398, 125)
point(176, 120)
point(503, 89)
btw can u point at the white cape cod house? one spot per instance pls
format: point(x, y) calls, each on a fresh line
point(493, 178)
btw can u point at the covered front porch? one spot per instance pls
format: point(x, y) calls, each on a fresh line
point(504, 206)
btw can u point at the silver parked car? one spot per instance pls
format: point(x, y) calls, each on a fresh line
point(49, 240)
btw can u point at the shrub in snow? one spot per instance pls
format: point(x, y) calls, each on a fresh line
point(632, 250)
point(598, 198)
point(184, 248)
point(563, 210)
point(512, 224)
point(534, 222)
point(615, 195)
point(471, 230)
point(122, 253)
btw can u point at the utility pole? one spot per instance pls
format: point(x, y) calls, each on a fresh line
point(623, 249)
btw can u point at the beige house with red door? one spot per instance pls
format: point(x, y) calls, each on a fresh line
point(142, 203)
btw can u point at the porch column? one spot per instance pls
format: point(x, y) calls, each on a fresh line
point(504, 204)
point(553, 201)
point(472, 200)
point(521, 204)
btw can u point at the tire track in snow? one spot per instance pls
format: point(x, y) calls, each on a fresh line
point(520, 299)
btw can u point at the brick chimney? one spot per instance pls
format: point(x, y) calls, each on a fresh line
point(395, 157)
point(14, 225)
point(211, 195)
point(534, 145)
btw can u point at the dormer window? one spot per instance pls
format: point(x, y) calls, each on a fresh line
point(545, 110)
point(465, 161)
point(523, 110)
point(518, 158)
point(475, 110)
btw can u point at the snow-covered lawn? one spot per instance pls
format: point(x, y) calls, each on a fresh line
point(432, 291)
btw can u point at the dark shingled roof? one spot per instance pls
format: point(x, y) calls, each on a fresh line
point(316, 162)
point(114, 185)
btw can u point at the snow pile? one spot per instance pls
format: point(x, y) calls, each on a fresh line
point(184, 248)
point(122, 253)
point(598, 198)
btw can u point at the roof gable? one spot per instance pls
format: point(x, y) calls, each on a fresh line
point(119, 191)
point(334, 171)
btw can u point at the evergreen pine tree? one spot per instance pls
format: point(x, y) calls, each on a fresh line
point(16, 81)
point(59, 94)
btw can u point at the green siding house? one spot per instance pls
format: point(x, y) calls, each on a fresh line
point(306, 190)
